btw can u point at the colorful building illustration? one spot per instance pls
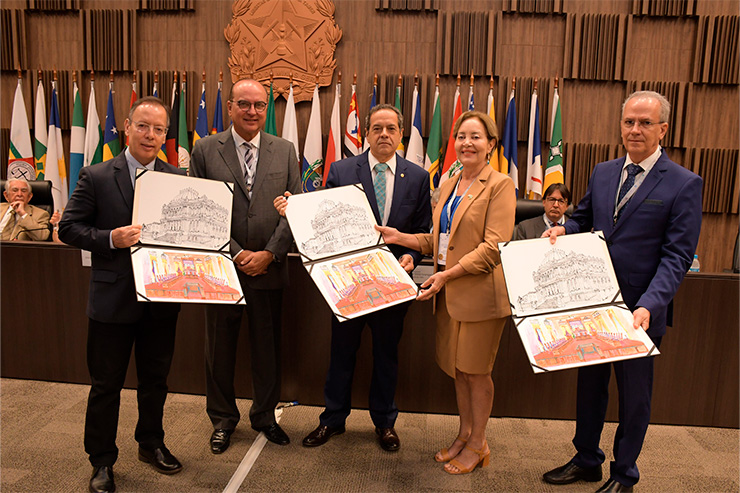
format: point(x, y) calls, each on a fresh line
point(580, 337)
point(364, 282)
point(188, 276)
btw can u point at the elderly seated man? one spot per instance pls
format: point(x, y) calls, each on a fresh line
point(20, 220)
point(556, 201)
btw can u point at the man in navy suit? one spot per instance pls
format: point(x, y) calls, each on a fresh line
point(649, 209)
point(404, 204)
point(98, 218)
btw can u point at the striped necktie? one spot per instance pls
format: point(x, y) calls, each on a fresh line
point(249, 163)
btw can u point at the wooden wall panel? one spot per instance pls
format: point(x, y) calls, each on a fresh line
point(664, 7)
point(13, 53)
point(669, 54)
point(716, 57)
point(712, 117)
point(53, 40)
point(530, 45)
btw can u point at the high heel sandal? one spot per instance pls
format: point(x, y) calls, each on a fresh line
point(484, 457)
point(445, 452)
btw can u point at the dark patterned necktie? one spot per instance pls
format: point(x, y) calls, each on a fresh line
point(632, 172)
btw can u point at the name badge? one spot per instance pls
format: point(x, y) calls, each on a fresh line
point(444, 240)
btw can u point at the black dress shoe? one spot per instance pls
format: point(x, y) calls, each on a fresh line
point(388, 439)
point(274, 433)
point(161, 460)
point(321, 435)
point(220, 440)
point(570, 473)
point(102, 480)
point(614, 485)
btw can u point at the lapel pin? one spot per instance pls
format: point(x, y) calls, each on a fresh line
point(402, 175)
point(470, 196)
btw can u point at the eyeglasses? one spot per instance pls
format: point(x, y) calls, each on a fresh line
point(259, 106)
point(144, 128)
point(641, 124)
point(553, 200)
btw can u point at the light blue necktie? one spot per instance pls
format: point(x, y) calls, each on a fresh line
point(379, 185)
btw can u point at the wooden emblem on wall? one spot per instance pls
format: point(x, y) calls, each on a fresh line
point(284, 37)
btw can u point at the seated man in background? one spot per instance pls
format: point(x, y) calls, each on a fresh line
point(20, 220)
point(556, 201)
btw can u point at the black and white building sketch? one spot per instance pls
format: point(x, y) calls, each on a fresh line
point(191, 218)
point(567, 279)
point(338, 226)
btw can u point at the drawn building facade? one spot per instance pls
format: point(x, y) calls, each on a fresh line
point(190, 219)
point(338, 226)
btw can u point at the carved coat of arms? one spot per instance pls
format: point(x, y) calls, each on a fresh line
point(285, 37)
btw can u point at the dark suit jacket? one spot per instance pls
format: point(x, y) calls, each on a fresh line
point(255, 224)
point(411, 210)
point(530, 228)
point(653, 243)
point(102, 201)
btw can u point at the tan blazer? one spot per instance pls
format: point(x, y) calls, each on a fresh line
point(484, 218)
point(33, 227)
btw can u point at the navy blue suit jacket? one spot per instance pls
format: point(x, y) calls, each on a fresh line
point(411, 209)
point(653, 242)
point(103, 200)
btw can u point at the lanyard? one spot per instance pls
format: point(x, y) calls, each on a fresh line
point(451, 206)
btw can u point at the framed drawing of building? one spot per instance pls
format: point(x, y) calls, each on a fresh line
point(183, 255)
point(343, 253)
point(566, 303)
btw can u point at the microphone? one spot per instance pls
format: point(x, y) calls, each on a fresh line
point(26, 230)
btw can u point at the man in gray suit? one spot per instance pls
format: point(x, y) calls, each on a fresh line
point(555, 201)
point(261, 167)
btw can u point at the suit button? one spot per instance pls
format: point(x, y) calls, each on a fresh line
point(452, 247)
point(251, 214)
point(608, 242)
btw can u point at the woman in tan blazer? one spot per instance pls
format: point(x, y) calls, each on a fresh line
point(475, 211)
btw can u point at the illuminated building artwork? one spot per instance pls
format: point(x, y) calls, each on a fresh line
point(363, 282)
point(188, 276)
point(338, 226)
point(191, 218)
point(567, 279)
point(580, 337)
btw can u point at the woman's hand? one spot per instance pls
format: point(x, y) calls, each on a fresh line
point(432, 286)
point(281, 203)
point(391, 236)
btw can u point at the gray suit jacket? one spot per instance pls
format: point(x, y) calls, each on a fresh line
point(255, 224)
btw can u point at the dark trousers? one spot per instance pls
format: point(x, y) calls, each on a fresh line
point(386, 326)
point(223, 323)
point(108, 353)
point(635, 385)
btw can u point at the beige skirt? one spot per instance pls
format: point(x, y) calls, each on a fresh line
point(470, 347)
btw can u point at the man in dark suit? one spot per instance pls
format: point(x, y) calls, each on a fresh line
point(98, 219)
point(649, 209)
point(555, 202)
point(261, 166)
point(403, 203)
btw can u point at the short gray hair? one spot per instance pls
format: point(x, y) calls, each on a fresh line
point(665, 106)
point(7, 183)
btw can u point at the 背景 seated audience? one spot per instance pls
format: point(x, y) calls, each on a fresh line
point(20, 220)
point(555, 200)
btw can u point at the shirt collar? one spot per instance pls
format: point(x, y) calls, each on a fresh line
point(372, 160)
point(239, 140)
point(133, 163)
point(548, 222)
point(647, 163)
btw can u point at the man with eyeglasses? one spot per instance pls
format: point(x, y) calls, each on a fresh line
point(649, 209)
point(20, 220)
point(98, 218)
point(555, 201)
point(261, 166)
